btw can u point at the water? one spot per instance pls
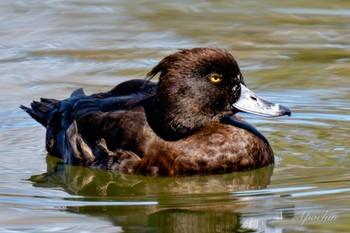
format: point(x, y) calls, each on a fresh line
point(295, 53)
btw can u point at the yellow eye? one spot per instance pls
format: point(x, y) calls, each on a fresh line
point(215, 78)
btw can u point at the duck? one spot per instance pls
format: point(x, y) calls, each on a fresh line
point(186, 123)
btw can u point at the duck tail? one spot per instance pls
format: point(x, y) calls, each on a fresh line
point(40, 110)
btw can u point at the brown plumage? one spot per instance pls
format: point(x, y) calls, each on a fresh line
point(184, 124)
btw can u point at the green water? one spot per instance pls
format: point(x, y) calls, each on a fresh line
point(296, 53)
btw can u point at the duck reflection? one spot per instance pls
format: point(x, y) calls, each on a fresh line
point(160, 204)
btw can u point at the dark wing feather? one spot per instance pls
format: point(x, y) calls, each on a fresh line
point(94, 117)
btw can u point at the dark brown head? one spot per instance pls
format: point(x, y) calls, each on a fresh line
point(196, 86)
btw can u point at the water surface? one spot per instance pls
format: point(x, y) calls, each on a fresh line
point(295, 53)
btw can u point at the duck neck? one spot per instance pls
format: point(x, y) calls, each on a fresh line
point(169, 123)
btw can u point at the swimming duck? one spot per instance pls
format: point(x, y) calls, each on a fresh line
point(187, 123)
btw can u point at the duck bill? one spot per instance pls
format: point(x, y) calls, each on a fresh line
point(252, 103)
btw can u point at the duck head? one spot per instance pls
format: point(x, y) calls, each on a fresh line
point(202, 85)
